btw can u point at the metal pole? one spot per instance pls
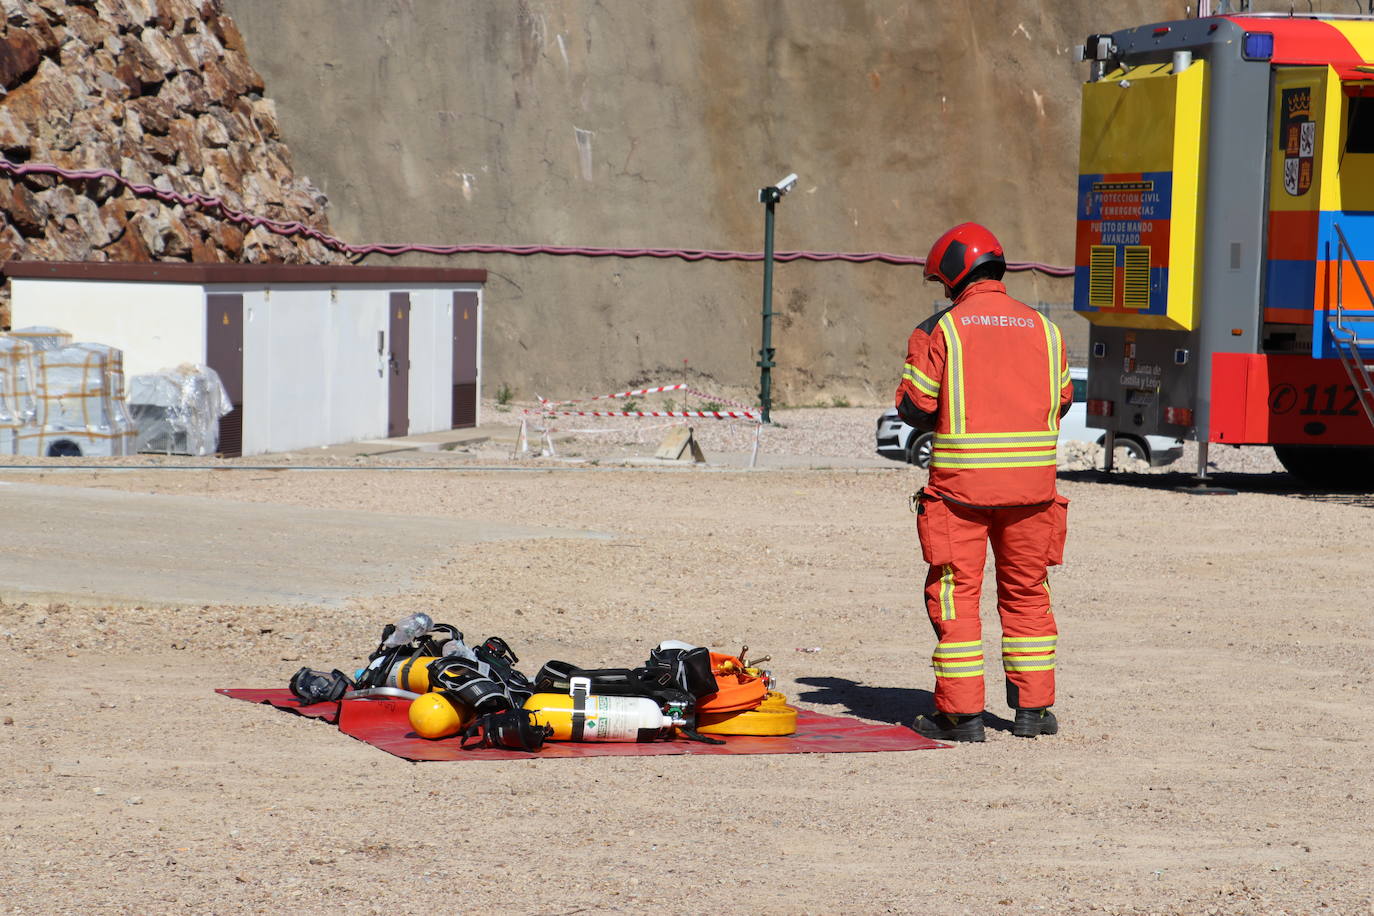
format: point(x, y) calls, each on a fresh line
point(766, 350)
point(769, 197)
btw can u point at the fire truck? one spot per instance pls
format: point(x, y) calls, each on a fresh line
point(1225, 237)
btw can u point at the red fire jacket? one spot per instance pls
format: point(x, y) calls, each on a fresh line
point(990, 376)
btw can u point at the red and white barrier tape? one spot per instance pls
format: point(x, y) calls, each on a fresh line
point(718, 400)
point(742, 412)
point(546, 413)
point(619, 394)
point(638, 429)
point(705, 414)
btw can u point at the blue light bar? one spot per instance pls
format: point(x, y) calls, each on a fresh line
point(1258, 46)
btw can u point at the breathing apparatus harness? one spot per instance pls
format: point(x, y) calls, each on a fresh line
point(495, 691)
point(484, 679)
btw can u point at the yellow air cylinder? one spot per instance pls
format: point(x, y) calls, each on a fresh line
point(585, 717)
point(771, 717)
point(410, 674)
point(439, 715)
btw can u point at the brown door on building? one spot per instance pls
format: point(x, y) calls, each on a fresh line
point(398, 393)
point(464, 359)
point(224, 354)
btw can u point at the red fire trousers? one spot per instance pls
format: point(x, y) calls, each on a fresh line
point(1026, 540)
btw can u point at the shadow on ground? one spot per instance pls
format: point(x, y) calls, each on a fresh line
point(1278, 483)
point(894, 705)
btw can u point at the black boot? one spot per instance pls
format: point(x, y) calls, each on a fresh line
point(1032, 722)
point(943, 726)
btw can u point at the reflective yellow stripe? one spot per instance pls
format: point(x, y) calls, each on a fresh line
point(924, 383)
point(998, 436)
point(1035, 459)
point(1024, 642)
point(969, 452)
point(1040, 438)
point(946, 595)
point(921, 385)
point(954, 373)
point(991, 465)
point(978, 673)
point(1029, 653)
point(1022, 449)
point(1022, 665)
point(957, 659)
point(973, 455)
point(1052, 348)
point(969, 665)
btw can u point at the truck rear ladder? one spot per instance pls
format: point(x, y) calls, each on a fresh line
point(1353, 330)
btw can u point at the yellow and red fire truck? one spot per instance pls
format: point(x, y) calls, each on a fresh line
point(1225, 241)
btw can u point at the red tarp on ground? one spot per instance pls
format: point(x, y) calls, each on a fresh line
point(384, 723)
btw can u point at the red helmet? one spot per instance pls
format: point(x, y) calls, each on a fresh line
point(955, 254)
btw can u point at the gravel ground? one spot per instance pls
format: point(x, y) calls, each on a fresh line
point(841, 432)
point(806, 432)
point(1215, 684)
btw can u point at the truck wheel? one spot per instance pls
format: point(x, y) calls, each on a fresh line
point(1329, 467)
point(918, 449)
point(1132, 448)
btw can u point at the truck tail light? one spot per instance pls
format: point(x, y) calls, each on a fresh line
point(1098, 407)
point(1178, 416)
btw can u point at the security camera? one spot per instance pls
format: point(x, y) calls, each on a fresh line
point(774, 193)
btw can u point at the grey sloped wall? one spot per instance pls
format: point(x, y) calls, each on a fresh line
point(624, 123)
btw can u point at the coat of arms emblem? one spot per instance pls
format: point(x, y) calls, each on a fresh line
point(1298, 136)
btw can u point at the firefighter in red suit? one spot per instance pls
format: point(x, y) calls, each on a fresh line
point(989, 376)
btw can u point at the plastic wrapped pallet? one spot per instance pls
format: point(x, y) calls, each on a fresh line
point(76, 413)
point(16, 390)
point(43, 338)
point(177, 411)
point(121, 423)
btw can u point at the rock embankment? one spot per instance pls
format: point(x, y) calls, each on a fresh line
point(162, 93)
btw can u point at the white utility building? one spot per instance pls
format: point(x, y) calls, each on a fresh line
point(310, 355)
